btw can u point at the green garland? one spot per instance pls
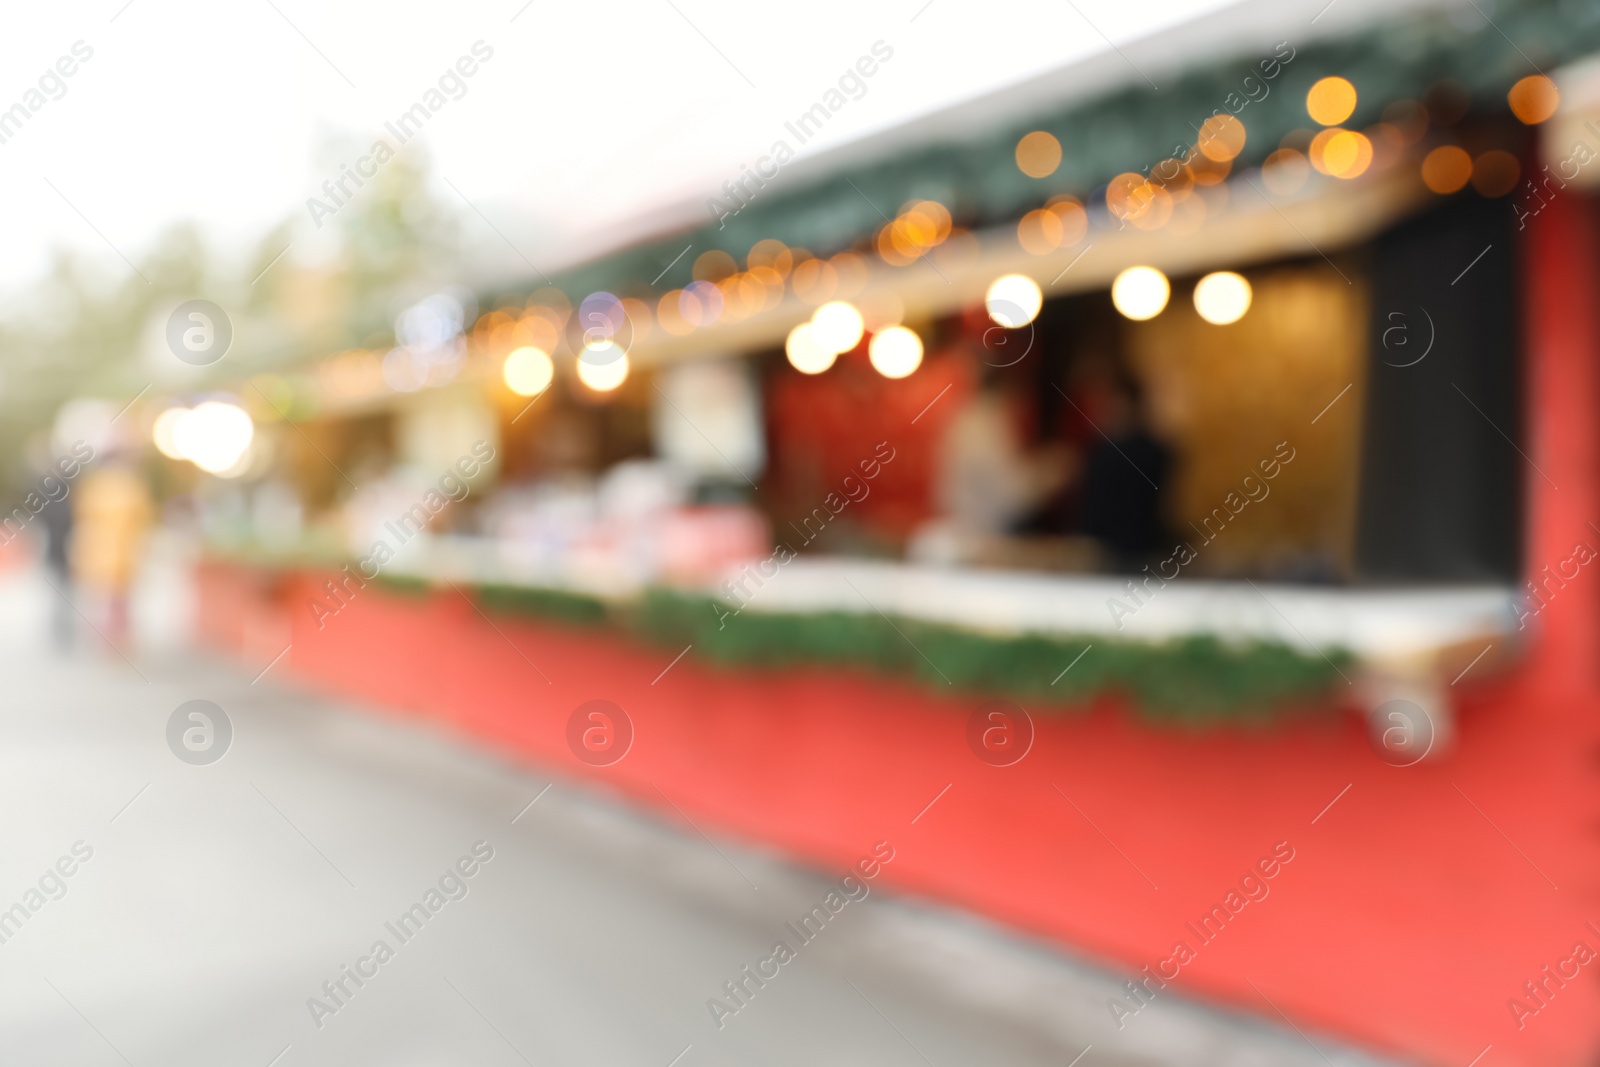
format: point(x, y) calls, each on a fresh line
point(578, 609)
point(405, 585)
point(1196, 680)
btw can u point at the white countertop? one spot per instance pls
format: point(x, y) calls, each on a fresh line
point(1375, 623)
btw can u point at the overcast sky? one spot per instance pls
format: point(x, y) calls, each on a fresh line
point(587, 117)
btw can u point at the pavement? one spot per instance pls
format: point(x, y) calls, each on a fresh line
point(209, 903)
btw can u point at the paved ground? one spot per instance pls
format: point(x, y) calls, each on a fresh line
point(219, 898)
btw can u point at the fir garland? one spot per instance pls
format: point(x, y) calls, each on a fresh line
point(1198, 679)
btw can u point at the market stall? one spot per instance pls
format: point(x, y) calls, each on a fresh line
point(1264, 428)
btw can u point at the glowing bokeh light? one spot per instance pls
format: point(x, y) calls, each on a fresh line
point(213, 436)
point(1222, 297)
point(603, 367)
point(1330, 101)
point(896, 352)
point(1140, 293)
point(1013, 300)
point(1038, 154)
point(806, 353)
point(1534, 99)
point(528, 371)
point(837, 326)
point(1446, 169)
point(164, 432)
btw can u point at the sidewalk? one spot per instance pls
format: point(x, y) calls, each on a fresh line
point(220, 898)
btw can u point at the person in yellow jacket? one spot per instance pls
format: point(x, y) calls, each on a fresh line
point(114, 510)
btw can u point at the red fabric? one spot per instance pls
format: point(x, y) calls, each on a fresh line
point(822, 426)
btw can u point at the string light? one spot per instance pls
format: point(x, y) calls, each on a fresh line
point(806, 353)
point(603, 367)
point(896, 352)
point(1330, 101)
point(528, 371)
point(1013, 300)
point(214, 436)
point(1222, 297)
point(1140, 293)
point(837, 326)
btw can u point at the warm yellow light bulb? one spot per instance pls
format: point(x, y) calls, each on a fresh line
point(1331, 100)
point(1013, 300)
point(895, 352)
point(838, 326)
point(806, 353)
point(528, 371)
point(1140, 292)
point(603, 367)
point(1222, 297)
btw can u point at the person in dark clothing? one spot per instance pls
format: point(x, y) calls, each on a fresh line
point(56, 520)
point(1122, 478)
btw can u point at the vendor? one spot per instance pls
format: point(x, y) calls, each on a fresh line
point(1123, 473)
point(988, 479)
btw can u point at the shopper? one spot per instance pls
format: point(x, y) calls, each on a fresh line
point(113, 513)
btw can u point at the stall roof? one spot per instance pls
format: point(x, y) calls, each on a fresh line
point(1110, 120)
